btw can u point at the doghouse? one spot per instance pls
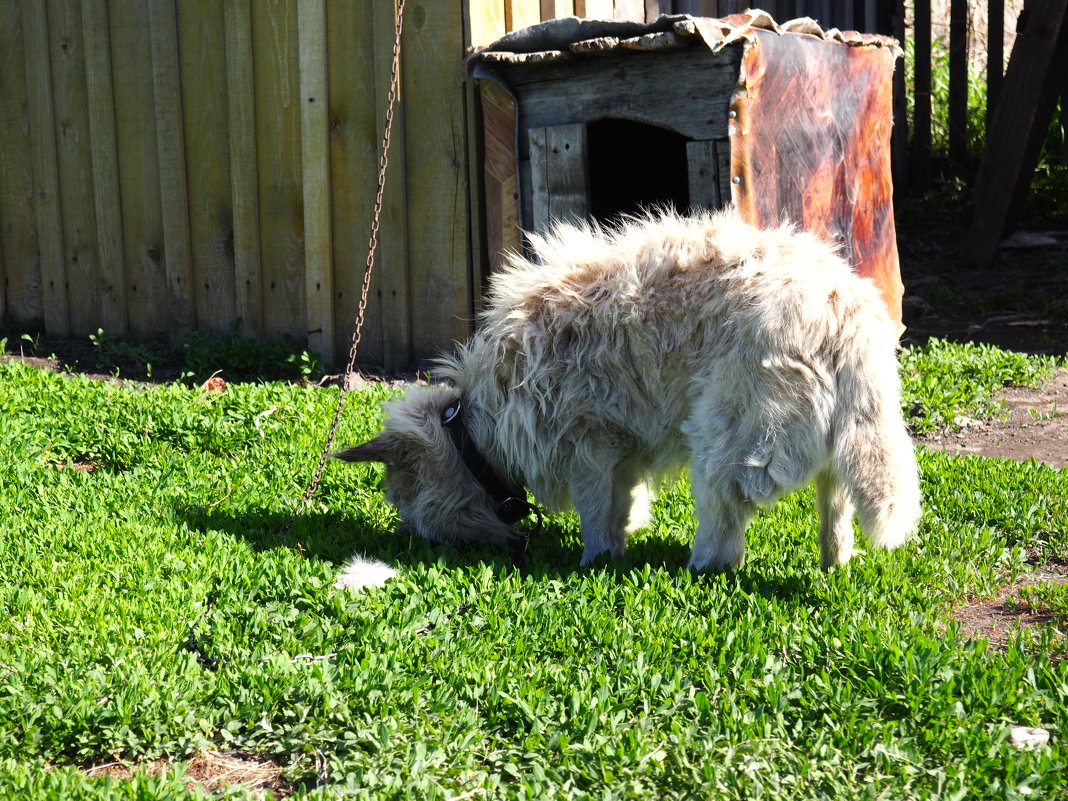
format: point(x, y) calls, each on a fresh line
point(577, 118)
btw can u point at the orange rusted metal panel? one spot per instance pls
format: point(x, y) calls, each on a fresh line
point(810, 142)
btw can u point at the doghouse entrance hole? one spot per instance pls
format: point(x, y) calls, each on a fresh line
point(634, 166)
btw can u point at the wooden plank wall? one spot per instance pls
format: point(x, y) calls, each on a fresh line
point(168, 166)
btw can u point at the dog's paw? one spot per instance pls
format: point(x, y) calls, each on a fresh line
point(360, 572)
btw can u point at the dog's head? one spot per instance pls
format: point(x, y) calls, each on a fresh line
point(426, 476)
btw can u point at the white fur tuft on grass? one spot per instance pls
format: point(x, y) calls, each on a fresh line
point(360, 572)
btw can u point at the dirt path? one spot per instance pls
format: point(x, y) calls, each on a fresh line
point(1037, 427)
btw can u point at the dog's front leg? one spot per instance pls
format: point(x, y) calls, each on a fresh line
point(602, 508)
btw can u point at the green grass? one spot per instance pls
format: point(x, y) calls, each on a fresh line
point(465, 677)
point(943, 381)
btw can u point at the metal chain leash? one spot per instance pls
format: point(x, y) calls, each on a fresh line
point(372, 247)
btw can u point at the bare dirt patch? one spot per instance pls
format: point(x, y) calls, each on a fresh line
point(1036, 427)
point(211, 770)
point(997, 619)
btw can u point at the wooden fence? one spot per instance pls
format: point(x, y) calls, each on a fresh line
point(171, 165)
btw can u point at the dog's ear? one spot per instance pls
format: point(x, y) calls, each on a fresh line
point(383, 448)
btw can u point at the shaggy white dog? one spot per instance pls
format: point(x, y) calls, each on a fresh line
point(616, 355)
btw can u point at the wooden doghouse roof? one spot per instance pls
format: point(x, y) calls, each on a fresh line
point(573, 37)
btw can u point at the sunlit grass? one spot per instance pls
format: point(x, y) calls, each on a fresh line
point(151, 609)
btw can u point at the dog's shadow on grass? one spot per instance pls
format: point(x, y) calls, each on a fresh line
point(337, 536)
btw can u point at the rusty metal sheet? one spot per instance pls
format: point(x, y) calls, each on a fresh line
point(810, 141)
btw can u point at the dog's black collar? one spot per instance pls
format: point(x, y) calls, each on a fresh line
point(510, 502)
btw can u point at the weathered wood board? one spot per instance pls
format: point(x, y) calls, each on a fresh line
point(21, 297)
point(244, 175)
point(558, 181)
point(205, 103)
point(686, 90)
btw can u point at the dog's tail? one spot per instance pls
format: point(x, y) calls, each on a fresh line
point(872, 453)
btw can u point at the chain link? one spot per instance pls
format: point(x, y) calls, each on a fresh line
point(372, 247)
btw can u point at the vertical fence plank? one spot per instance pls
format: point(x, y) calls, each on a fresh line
point(202, 36)
point(920, 155)
point(147, 302)
point(1021, 121)
point(434, 158)
point(958, 83)
point(277, 84)
point(630, 10)
point(74, 164)
point(244, 189)
point(899, 134)
point(111, 276)
point(485, 21)
point(174, 201)
point(556, 9)
point(393, 259)
point(353, 162)
point(995, 54)
point(315, 171)
point(594, 9)
point(521, 13)
point(21, 300)
point(654, 8)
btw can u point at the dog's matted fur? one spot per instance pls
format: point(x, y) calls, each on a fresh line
point(757, 357)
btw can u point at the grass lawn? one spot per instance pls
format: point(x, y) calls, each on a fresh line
point(151, 612)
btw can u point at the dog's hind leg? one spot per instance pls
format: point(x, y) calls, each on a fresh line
point(720, 539)
point(836, 520)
